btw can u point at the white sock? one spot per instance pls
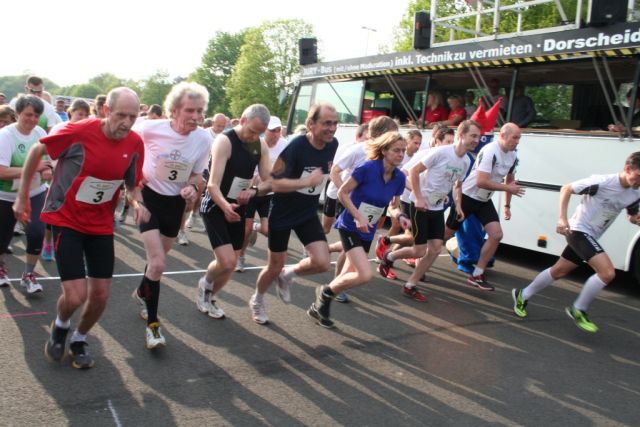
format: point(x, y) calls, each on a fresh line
point(592, 287)
point(409, 285)
point(258, 297)
point(208, 286)
point(477, 271)
point(288, 273)
point(64, 324)
point(390, 256)
point(541, 281)
point(77, 336)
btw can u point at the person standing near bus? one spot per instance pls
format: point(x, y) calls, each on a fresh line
point(298, 177)
point(176, 153)
point(603, 197)
point(494, 170)
point(365, 195)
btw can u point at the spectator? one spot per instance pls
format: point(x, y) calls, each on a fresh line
point(436, 111)
point(60, 110)
point(523, 111)
point(635, 119)
point(469, 106)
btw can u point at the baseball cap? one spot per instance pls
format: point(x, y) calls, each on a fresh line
point(274, 123)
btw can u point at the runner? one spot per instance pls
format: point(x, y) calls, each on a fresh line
point(80, 205)
point(365, 195)
point(234, 158)
point(603, 197)
point(176, 153)
point(299, 175)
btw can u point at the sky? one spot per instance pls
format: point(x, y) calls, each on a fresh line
point(132, 39)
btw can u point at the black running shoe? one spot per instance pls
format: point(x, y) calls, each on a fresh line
point(54, 347)
point(81, 357)
point(325, 322)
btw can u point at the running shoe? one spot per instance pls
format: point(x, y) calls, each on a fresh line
point(342, 297)
point(480, 282)
point(18, 229)
point(258, 311)
point(142, 305)
point(9, 250)
point(203, 296)
point(30, 283)
point(155, 338)
point(320, 309)
point(414, 294)
point(240, 265)
point(215, 311)
point(519, 303)
point(381, 248)
point(253, 237)
point(283, 288)
point(385, 268)
point(47, 252)
point(411, 262)
point(189, 222)
point(54, 347)
point(182, 238)
point(81, 359)
point(4, 277)
point(123, 215)
point(581, 319)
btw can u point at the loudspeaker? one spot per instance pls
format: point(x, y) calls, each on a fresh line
point(422, 30)
point(308, 51)
point(607, 12)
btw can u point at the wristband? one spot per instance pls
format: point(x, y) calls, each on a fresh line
point(507, 206)
point(195, 187)
point(255, 187)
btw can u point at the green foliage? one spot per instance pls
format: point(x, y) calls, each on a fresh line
point(13, 85)
point(253, 80)
point(552, 101)
point(84, 90)
point(217, 64)
point(155, 88)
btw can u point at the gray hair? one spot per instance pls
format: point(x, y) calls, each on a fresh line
point(191, 89)
point(114, 94)
point(257, 111)
point(25, 100)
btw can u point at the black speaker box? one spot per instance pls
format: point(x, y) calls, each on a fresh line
point(422, 30)
point(308, 51)
point(607, 12)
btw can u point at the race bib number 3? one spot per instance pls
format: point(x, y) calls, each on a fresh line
point(370, 212)
point(484, 195)
point(96, 191)
point(237, 186)
point(435, 200)
point(313, 191)
point(173, 171)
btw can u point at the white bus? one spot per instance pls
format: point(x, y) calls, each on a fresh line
point(578, 77)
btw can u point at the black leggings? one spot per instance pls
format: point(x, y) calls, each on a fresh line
point(34, 230)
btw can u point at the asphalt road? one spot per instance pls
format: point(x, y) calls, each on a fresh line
point(460, 359)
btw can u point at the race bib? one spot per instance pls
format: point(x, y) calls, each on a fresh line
point(173, 171)
point(370, 212)
point(605, 218)
point(435, 200)
point(237, 186)
point(484, 195)
point(95, 191)
point(313, 191)
point(35, 183)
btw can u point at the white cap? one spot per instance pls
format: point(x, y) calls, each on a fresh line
point(274, 123)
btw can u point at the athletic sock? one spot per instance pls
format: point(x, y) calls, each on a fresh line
point(541, 281)
point(409, 285)
point(386, 240)
point(149, 291)
point(64, 324)
point(288, 273)
point(77, 336)
point(477, 271)
point(592, 287)
point(327, 293)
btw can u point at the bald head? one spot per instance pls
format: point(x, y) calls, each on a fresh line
point(219, 122)
point(509, 136)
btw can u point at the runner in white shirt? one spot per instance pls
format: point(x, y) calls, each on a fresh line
point(603, 197)
point(176, 154)
point(494, 170)
point(432, 179)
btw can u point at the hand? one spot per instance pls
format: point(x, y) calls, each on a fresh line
point(515, 189)
point(46, 174)
point(507, 213)
point(362, 224)
point(22, 209)
point(459, 213)
point(141, 214)
point(563, 227)
point(189, 194)
point(315, 178)
point(244, 196)
point(230, 213)
point(44, 164)
point(635, 219)
point(420, 204)
point(618, 127)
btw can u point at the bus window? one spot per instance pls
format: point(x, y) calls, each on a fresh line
point(347, 104)
point(302, 105)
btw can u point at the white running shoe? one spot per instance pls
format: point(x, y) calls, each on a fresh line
point(182, 238)
point(18, 229)
point(30, 283)
point(203, 296)
point(283, 288)
point(258, 311)
point(215, 311)
point(141, 303)
point(189, 222)
point(253, 237)
point(155, 338)
point(4, 277)
point(240, 265)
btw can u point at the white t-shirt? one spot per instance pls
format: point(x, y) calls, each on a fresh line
point(444, 168)
point(349, 159)
point(603, 199)
point(407, 163)
point(493, 161)
point(11, 141)
point(171, 158)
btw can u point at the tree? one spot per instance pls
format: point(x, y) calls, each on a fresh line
point(13, 85)
point(253, 79)
point(155, 88)
point(84, 90)
point(217, 64)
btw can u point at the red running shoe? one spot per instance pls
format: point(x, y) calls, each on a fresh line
point(480, 283)
point(414, 294)
point(411, 262)
point(381, 248)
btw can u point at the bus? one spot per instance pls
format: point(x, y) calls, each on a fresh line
point(578, 76)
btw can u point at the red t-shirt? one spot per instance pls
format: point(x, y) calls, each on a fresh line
point(86, 182)
point(459, 113)
point(437, 115)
